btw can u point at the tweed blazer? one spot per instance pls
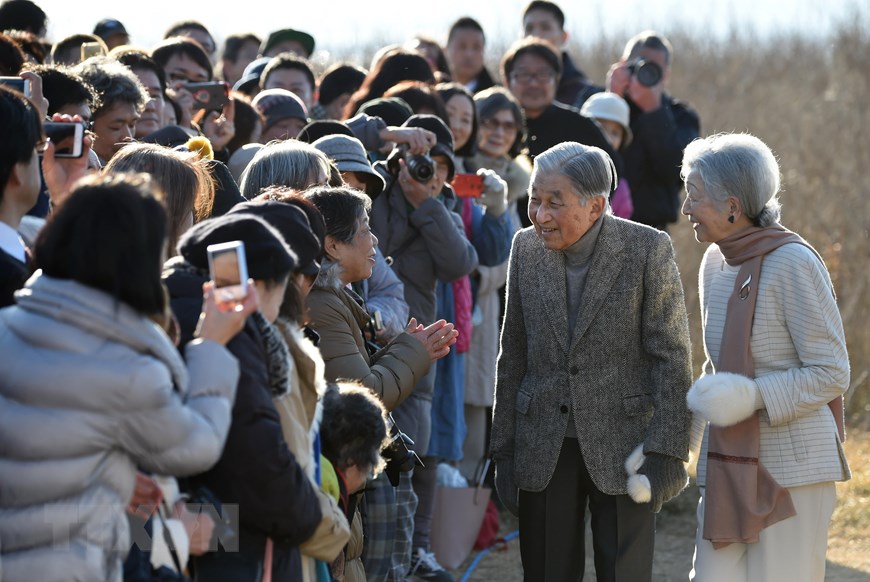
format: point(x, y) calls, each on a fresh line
point(624, 373)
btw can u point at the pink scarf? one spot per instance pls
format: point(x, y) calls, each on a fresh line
point(742, 498)
point(462, 299)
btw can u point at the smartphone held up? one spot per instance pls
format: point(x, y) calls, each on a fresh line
point(68, 138)
point(17, 84)
point(467, 185)
point(210, 96)
point(228, 268)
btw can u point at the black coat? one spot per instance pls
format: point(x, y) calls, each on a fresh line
point(574, 87)
point(560, 123)
point(257, 479)
point(13, 275)
point(484, 81)
point(653, 160)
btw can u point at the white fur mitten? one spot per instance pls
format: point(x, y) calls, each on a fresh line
point(638, 486)
point(723, 398)
point(654, 478)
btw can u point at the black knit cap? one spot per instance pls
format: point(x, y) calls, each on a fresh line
point(292, 223)
point(443, 137)
point(268, 257)
point(323, 127)
point(393, 110)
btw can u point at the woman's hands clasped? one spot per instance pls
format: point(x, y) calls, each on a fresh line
point(437, 337)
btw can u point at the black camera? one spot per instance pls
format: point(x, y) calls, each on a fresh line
point(647, 73)
point(400, 458)
point(420, 166)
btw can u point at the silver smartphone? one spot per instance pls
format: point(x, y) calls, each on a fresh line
point(229, 271)
point(68, 138)
point(18, 84)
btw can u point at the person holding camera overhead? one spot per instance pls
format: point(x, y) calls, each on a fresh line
point(426, 242)
point(662, 128)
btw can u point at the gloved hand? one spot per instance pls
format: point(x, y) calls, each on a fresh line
point(505, 485)
point(494, 195)
point(654, 478)
point(724, 398)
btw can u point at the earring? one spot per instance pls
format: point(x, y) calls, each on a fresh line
point(731, 219)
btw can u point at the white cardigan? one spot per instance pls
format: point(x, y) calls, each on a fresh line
point(799, 349)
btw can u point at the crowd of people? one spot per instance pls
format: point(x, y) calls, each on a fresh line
point(440, 264)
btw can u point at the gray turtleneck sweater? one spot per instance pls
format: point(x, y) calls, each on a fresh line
point(578, 258)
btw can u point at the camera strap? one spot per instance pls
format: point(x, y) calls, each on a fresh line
point(167, 537)
point(403, 247)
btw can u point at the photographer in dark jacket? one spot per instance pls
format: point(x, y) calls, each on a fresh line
point(418, 230)
point(262, 487)
point(662, 128)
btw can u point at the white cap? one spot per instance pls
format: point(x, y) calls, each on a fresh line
point(609, 106)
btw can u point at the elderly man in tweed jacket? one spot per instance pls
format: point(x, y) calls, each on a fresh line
point(592, 376)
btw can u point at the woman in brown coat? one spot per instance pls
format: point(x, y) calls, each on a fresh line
point(339, 316)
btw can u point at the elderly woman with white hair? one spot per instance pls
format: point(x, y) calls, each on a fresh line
point(290, 163)
point(770, 395)
point(592, 376)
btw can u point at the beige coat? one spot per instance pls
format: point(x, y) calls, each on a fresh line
point(299, 424)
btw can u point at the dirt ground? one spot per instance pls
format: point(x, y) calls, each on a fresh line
point(673, 554)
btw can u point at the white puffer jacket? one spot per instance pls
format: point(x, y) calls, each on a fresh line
point(90, 391)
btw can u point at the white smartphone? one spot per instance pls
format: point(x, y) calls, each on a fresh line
point(66, 137)
point(229, 270)
point(17, 83)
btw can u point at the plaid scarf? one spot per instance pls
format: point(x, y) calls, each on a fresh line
point(277, 355)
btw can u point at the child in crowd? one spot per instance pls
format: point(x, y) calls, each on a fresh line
point(353, 434)
point(611, 112)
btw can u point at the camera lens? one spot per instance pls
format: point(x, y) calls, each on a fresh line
point(647, 73)
point(421, 168)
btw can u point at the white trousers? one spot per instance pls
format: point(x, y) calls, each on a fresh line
point(792, 550)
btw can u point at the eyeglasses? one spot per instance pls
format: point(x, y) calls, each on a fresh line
point(493, 124)
point(524, 77)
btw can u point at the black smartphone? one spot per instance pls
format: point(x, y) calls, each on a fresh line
point(18, 84)
point(68, 138)
point(211, 96)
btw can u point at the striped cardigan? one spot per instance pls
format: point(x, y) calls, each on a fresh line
point(799, 349)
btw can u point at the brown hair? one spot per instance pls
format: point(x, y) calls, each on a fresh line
point(185, 180)
point(109, 235)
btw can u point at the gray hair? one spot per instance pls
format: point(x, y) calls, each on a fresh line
point(283, 163)
point(739, 165)
point(590, 169)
